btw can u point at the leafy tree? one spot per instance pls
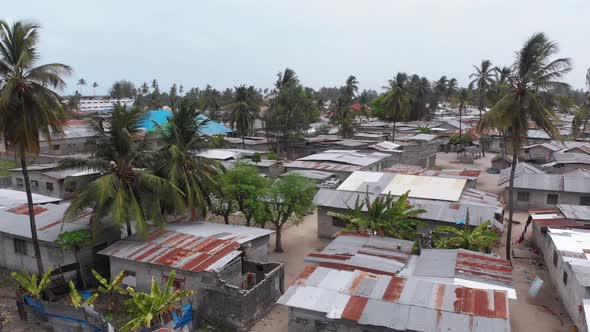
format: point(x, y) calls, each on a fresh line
point(341, 107)
point(481, 238)
point(125, 190)
point(193, 175)
point(244, 110)
point(292, 110)
point(222, 204)
point(31, 284)
point(149, 309)
point(272, 156)
point(28, 105)
point(289, 199)
point(324, 129)
point(384, 216)
point(74, 240)
point(122, 89)
point(420, 91)
point(534, 74)
point(396, 102)
point(452, 88)
point(439, 94)
point(482, 80)
point(580, 121)
point(246, 187)
point(81, 83)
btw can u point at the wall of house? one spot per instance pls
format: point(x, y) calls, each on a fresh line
point(60, 147)
point(537, 154)
point(565, 168)
point(538, 199)
point(257, 250)
point(572, 294)
point(51, 255)
point(39, 183)
point(217, 300)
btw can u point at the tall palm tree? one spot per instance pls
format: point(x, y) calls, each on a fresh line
point(501, 75)
point(452, 88)
point(396, 101)
point(535, 72)
point(94, 86)
point(420, 90)
point(351, 88)
point(28, 105)
point(482, 80)
point(125, 190)
point(81, 83)
point(244, 110)
point(193, 175)
point(286, 79)
point(439, 92)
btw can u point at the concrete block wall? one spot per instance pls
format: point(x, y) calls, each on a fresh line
point(538, 199)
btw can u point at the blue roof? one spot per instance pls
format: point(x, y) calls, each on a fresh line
point(161, 116)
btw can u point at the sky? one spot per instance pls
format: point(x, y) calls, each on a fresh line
point(231, 42)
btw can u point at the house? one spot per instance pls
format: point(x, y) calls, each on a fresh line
point(321, 178)
point(366, 136)
point(542, 191)
point(248, 143)
point(542, 152)
point(566, 162)
point(471, 175)
point(266, 167)
point(17, 246)
point(576, 212)
point(499, 164)
point(74, 139)
point(341, 162)
point(521, 168)
point(448, 204)
point(226, 264)
point(224, 155)
point(48, 179)
point(565, 252)
point(9, 197)
point(364, 283)
point(89, 105)
point(410, 153)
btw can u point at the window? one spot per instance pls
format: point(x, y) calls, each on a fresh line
point(35, 183)
point(20, 246)
point(338, 222)
point(19, 182)
point(56, 147)
point(555, 258)
point(49, 186)
point(564, 277)
point(552, 198)
point(585, 200)
point(522, 196)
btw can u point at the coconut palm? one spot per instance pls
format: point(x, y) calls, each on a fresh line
point(351, 88)
point(482, 81)
point(396, 102)
point(452, 88)
point(94, 86)
point(29, 107)
point(463, 98)
point(439, 92)
point(150, 309)
point(193, 175)
point(384, 215)
point(124, 190)
point(583, 113)
point(244, 110)
point(534, 73)
point(421, 91)
point(81, 83)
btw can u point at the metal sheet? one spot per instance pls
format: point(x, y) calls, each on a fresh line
point(426, 187)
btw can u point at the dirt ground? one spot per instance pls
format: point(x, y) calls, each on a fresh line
point(543, 313)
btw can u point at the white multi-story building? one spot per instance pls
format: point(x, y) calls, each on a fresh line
point(96, 104)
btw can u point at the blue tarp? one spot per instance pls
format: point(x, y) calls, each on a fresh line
point(160, 117)
point(38, 306)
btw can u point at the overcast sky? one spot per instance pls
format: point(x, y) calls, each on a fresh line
point(230, 42)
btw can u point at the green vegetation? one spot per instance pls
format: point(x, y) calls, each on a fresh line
point(481, 238)
point(74, 240)
point(6, 166)
point(244, 110)
point(76, 298)
point(32, 284)
point(385, 216)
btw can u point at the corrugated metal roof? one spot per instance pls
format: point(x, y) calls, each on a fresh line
point(240, 234)
point(521, 168)
point(14, 220)
point(423, 137)
point(571, 158)
point(10, 198)
point(386, 146)
point(315, 175)
point(398, 303)
point(537, 134)
point(553, 182)
point(576, 212)
point(351, 251)
point(320, 166)
point(346, 157)
point(574, 247)
point(62, 174)
point(177, 250)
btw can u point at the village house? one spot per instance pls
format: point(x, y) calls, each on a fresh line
point(17, 246)
point(77, 137)
point(249, 143)
point(365, 283)
point(566, 162)
point(448, 204)
point(566, 257)
point(495, 141)
point(542, 191)
point(471, 175)
point(48, 179)
point(226, 264)
point(321, 178)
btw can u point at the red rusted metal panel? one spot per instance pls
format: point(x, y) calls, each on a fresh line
point(394, 289)
point(354, 308)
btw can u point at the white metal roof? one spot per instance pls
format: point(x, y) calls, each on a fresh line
point(9, 198)
point(240, 234)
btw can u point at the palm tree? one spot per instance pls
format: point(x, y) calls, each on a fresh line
point(244, 110)
point(583, 113)
point(420, 90)
point(351, 88)
point(124, 190)
point(482, 80)
point(150, 309)
point(452, 87)
point(463, 96)
point(193, 175)
point(534, 73)
point(384, 216)
point(81, 83)
point(286, 79)
point(94, 86)
point(481, 238)
point(396, 102)
point(28, 105)
point(439, 92)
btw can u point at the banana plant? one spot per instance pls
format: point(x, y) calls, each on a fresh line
point(149, 310)
point(482, 238)
point(30, 282)
point(76, 298)
point(110, 289)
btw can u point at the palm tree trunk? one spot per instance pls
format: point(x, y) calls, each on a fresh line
point(503, 150)
point(32, 222)
point(243, 142)
point(510, 206)
point(393, 132)
point(128, 226)
point(79, 269)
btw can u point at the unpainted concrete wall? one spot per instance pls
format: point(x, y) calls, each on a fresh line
point(538, 199)
point(301, 320)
